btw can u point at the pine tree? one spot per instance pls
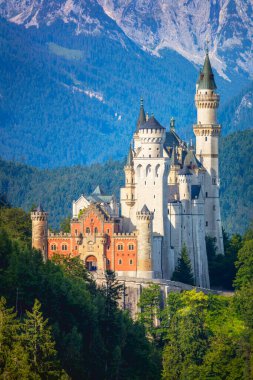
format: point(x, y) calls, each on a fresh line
point(37, 338)
point(183, 271)
point(17, 365)
point(8, 331)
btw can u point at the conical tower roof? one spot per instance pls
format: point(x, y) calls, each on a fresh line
point(142, 117)
point(130, 157)
point(206, 79)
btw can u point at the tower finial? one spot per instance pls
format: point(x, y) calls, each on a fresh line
point(207, 41)
point(172, 123)
point(141, 102)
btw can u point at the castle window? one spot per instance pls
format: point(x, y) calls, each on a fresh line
point(132, 196)
point(132, 180)
point(120, 261)
point(154, 196)
point(64, 247)
point(206, 194)
point(206, 224)
point(87, 230)
point(108, 261)
point(130, 247)
point(76, 247)
point(131, 262)
point(149, 155)
point(205, 138)
point(120, 247)
point(96, 230)
point(214, 208)
point(214, 181)
point(168, 211)
point(76, 232)
point(108, 231)
point(53, 247)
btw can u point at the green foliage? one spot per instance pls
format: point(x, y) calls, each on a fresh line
point(39, 344)
point(65, 224)
point(222, 267)
point(183, 270)
point(56, 188)
point(150, 315)
point(205, 339)
point(236, 192)
point(17, 224)
point(244, 265)
point(85, 323)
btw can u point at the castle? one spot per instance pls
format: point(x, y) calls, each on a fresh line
point(170, 199)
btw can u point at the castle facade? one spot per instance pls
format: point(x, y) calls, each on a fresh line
point(170, 199)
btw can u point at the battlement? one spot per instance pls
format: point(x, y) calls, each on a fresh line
point(124, 234)
point(39, 215)
point(59, 235)
point(207, 129)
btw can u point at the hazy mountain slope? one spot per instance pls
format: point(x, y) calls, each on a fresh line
point(71, 79)
point(67, 100)
point(56, 188)
point(154, 24)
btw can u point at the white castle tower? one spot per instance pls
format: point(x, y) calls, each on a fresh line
point(207, 132)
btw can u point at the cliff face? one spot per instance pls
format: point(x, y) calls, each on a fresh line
point(182, 26)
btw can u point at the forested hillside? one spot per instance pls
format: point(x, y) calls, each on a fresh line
point(68, 99)
point(25, 186)
point(57, 324)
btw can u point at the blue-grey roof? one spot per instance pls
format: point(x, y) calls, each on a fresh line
point(190, 160)
point(172, 139)
point(206, 78)
point(145, 210)
point(185, 171)
point(152, 123)
point(142, 117)
point(173, 192)
point(39, 208)
point(195, 190)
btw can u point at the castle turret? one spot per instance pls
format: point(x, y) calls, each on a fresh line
point(39, 230)
point(207, 133)
point(129, 180)
point(145, 252)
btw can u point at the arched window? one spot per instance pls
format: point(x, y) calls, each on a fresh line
point(131, 262)
point(120, 261)
point(87, 230)
point(120, 247)
point(64, 247)
point(139, 171)
point(53, 247)
point(130, 247)
point(95, 230)
point(157, 170)
point(148, 170)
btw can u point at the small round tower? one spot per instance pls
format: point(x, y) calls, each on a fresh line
point(144, 258)
point(152, 136)
point(185, 180)
point(39, 230)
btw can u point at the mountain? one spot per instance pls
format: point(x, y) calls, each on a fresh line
point(182, 26)
point(24, 186)
point(72, 74)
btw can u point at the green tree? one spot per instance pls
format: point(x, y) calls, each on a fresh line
point(37, 338)
point(183, 271)
point(244, 265)
point(65, 224)
point(187, 339)
point(150, 314)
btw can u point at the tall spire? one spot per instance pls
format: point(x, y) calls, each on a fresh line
point(130, 157)
point(142, 117)
point(206, 79)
